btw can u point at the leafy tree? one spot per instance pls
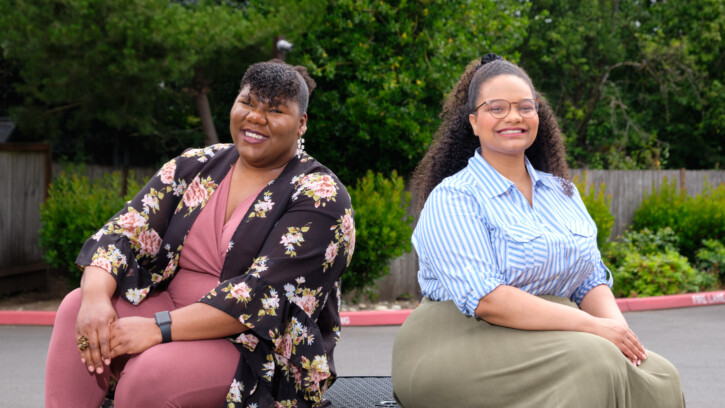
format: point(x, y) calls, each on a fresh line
point(8, 75)
point(123, 71)
point(577, 52)
point(383, 69)
point(694, 111)
point(635, 84)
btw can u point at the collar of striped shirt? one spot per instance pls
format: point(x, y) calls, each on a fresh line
point(494, 184)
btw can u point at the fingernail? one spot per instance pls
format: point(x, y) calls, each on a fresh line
point(83, 360)
point(90, 368)
point(99, 370)
point(107, 361)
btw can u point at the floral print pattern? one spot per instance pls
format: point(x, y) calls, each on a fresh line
point(235, 392)
point(206, 153)
point(262, 206)
point(110, 259)
point(247, 340)
point(198, 193)
point(259, 265)
point(319, 187)
point(344, 237)
point(302, 296)
point(240, 292)
point(166, 174)
point(283, 288)
point(293, 237)
point(135, 296)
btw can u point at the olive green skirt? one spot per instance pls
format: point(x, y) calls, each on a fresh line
point(442, 358)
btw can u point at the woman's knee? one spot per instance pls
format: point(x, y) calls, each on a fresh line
point(71, 304)
point(65, 317)
point(178, 374)
point(605, 360)
point(141, 383)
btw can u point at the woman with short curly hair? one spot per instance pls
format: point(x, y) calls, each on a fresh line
point(218, 283)
point(517, 307)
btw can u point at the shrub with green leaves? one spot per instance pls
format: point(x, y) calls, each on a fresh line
point(646, 263)
point(597, 204)
point(711, 258)
point(693, 219)
point(664, 273)
point(383, 230)
point(645, 241)
point(661, 207)
point(75, 209)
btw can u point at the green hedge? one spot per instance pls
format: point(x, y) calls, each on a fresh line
point(711, 258)
point(693, 219)
point(383, 230)
point(75, 209)
point(597, 204)
point(647, 263)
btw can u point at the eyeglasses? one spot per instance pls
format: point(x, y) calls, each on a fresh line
point(500, 108)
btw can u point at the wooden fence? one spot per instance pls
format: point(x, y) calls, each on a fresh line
point(26, 170)
point(25, 173)
point(628, 187)
point(24, 178)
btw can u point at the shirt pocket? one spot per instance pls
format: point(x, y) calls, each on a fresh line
point(584, 239)
point(525, 247)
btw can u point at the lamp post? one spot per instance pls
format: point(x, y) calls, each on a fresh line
point(281, 46)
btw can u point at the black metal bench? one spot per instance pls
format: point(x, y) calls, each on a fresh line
point(351, 392)
point(361, 392)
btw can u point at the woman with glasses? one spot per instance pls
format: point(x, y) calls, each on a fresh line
point(517, 308)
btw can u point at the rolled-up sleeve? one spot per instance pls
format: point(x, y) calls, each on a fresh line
point(452, 240)
point(600, 275)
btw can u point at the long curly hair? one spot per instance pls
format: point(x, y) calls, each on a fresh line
point(454, 142)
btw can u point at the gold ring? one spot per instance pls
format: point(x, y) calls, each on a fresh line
point(83, 343)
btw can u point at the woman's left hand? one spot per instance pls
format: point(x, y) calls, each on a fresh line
point(623, 337)
point(133, 335)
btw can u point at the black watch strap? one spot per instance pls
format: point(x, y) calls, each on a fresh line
point(163, 320)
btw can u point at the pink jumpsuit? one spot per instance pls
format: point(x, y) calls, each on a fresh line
point(177, 374)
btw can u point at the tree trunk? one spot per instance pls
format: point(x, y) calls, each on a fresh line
point(200, 91)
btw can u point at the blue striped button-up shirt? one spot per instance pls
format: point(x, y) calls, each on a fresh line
point(477, 231)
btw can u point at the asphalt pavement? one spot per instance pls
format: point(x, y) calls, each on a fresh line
point(693, 339)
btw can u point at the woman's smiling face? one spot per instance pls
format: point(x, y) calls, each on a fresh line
point(511, 135)
point(265, 135)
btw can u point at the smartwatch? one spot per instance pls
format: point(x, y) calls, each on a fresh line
point(163, 320)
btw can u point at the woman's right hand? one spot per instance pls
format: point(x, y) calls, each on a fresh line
point(623, 337)
point(94, 322)
point(95, 318)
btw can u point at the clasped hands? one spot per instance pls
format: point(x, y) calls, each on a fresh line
point(108, 336)
point(624, 338)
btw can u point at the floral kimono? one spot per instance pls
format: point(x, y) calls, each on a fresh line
point(281, 275)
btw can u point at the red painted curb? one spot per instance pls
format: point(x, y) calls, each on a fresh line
point(671, 301)
point(375, 318)
point(397, 317)
point(27, 318)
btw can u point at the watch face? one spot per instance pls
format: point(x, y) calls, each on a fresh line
point(162, 318)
